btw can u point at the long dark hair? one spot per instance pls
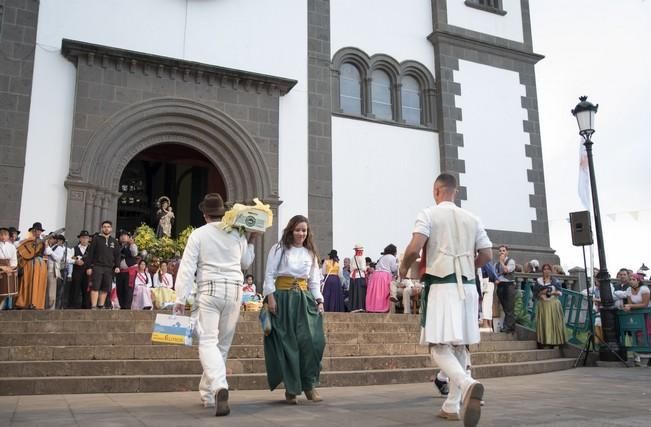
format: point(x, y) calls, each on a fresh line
point(287, 239)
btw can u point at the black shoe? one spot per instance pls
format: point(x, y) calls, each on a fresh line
point(221, 402)
point(443, 387)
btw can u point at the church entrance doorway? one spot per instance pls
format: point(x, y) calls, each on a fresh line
point(176, 171)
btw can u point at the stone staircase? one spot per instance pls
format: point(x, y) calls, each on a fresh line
point(81, 351)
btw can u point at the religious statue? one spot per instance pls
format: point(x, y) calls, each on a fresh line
point(165, 217)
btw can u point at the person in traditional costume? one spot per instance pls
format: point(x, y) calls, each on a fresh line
point(141, 288)
point(165, 217)
point(550, 322)
point(454, 244)
point(249, 290)
point(378, 289)
point(13, 236)
point(214, 257)
point(294, 348)
point(125, 280)
point(8, 263)
point(358, 280)
point(33, 262)
point(163, 291)
point(56, 253)
point(79, 296)
point(333, 294)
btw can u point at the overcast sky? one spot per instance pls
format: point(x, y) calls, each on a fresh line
point(599, 48)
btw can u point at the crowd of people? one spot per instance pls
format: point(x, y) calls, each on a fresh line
point(99, 272)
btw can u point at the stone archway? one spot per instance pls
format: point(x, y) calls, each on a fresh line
point(95, 170)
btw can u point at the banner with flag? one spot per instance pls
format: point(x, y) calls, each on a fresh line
point(584, 179)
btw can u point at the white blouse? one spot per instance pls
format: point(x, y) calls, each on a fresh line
point(167, 282)
point(295, 262)
point(143, 279)
point(387, 263)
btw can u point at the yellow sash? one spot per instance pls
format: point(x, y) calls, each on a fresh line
point(286, 283)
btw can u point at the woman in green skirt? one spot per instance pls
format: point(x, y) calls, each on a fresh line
point(550, 322)
point(294, 348)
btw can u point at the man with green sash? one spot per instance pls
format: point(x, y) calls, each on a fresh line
point(454, 244)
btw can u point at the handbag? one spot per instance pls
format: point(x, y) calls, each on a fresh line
point(265, 319)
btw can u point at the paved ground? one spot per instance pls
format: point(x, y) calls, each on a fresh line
point(581, 397)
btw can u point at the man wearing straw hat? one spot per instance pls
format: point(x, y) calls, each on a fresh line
point(454, 245)
point(214, 258)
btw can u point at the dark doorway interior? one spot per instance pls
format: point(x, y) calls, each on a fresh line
point(177, 171)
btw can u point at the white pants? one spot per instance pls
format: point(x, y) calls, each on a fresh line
point(487, 290)
point(452, 360)
point(406, 292)
point(217, 319)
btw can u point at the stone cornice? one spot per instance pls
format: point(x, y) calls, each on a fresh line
point(162, 66)
point(461, 40)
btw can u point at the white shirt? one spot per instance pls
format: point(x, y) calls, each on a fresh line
point(387, 263)
point(296, 262)
point(143, 279)
point(454, 236)
point(637, 298)
point(357, 261)
point(8, 251)
point(167, 282)
point(213, 254)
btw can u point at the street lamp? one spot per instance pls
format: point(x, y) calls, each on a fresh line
point(584, 113)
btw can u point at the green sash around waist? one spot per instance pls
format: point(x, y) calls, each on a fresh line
point(429, 280)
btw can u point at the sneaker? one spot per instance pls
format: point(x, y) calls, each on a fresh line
point(471, 404)
point(221, 400)
point(442, 386)
point(208, 403)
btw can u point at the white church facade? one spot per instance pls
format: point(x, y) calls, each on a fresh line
point(341, 110)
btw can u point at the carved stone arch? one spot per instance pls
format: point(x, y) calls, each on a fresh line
point(96, 169)
point(388, 65)
point(213, 133)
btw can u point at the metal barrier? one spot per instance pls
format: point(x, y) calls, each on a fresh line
point(634, 329)
point(575, 311)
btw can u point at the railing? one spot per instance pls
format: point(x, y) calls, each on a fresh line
point(575, 311)
point(634, 329)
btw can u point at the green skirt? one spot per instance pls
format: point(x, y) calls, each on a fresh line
point(294, 349)
point(550, 323)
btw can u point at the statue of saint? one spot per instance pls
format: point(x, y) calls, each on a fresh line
point(165, 217)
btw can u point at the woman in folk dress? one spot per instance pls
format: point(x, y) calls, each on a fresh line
point(294, 348)
point(141, 288)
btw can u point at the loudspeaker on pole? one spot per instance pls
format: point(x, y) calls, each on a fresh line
point(581, 226)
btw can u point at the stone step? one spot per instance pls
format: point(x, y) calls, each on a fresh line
point(97, 315)
point(101, 326)
point(244, 365)
point(148, 351)
point(159, 383)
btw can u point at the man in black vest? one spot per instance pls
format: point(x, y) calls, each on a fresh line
point(504, 268)
point(79, 296)
point(128, 268)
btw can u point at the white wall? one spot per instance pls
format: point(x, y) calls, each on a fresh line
point(242, 34)
point(494, 146)
point(398, 29)
point(382, 177)
point(508, 26)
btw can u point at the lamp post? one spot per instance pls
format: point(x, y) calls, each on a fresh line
point(584, 113)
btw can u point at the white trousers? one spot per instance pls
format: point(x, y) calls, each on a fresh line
point(452, 360)
point(487, 290)
point(410, 287)
point(217, 319)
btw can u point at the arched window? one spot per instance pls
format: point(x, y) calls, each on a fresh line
point(411, 106)
point(350, 89)
point(381, 91)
